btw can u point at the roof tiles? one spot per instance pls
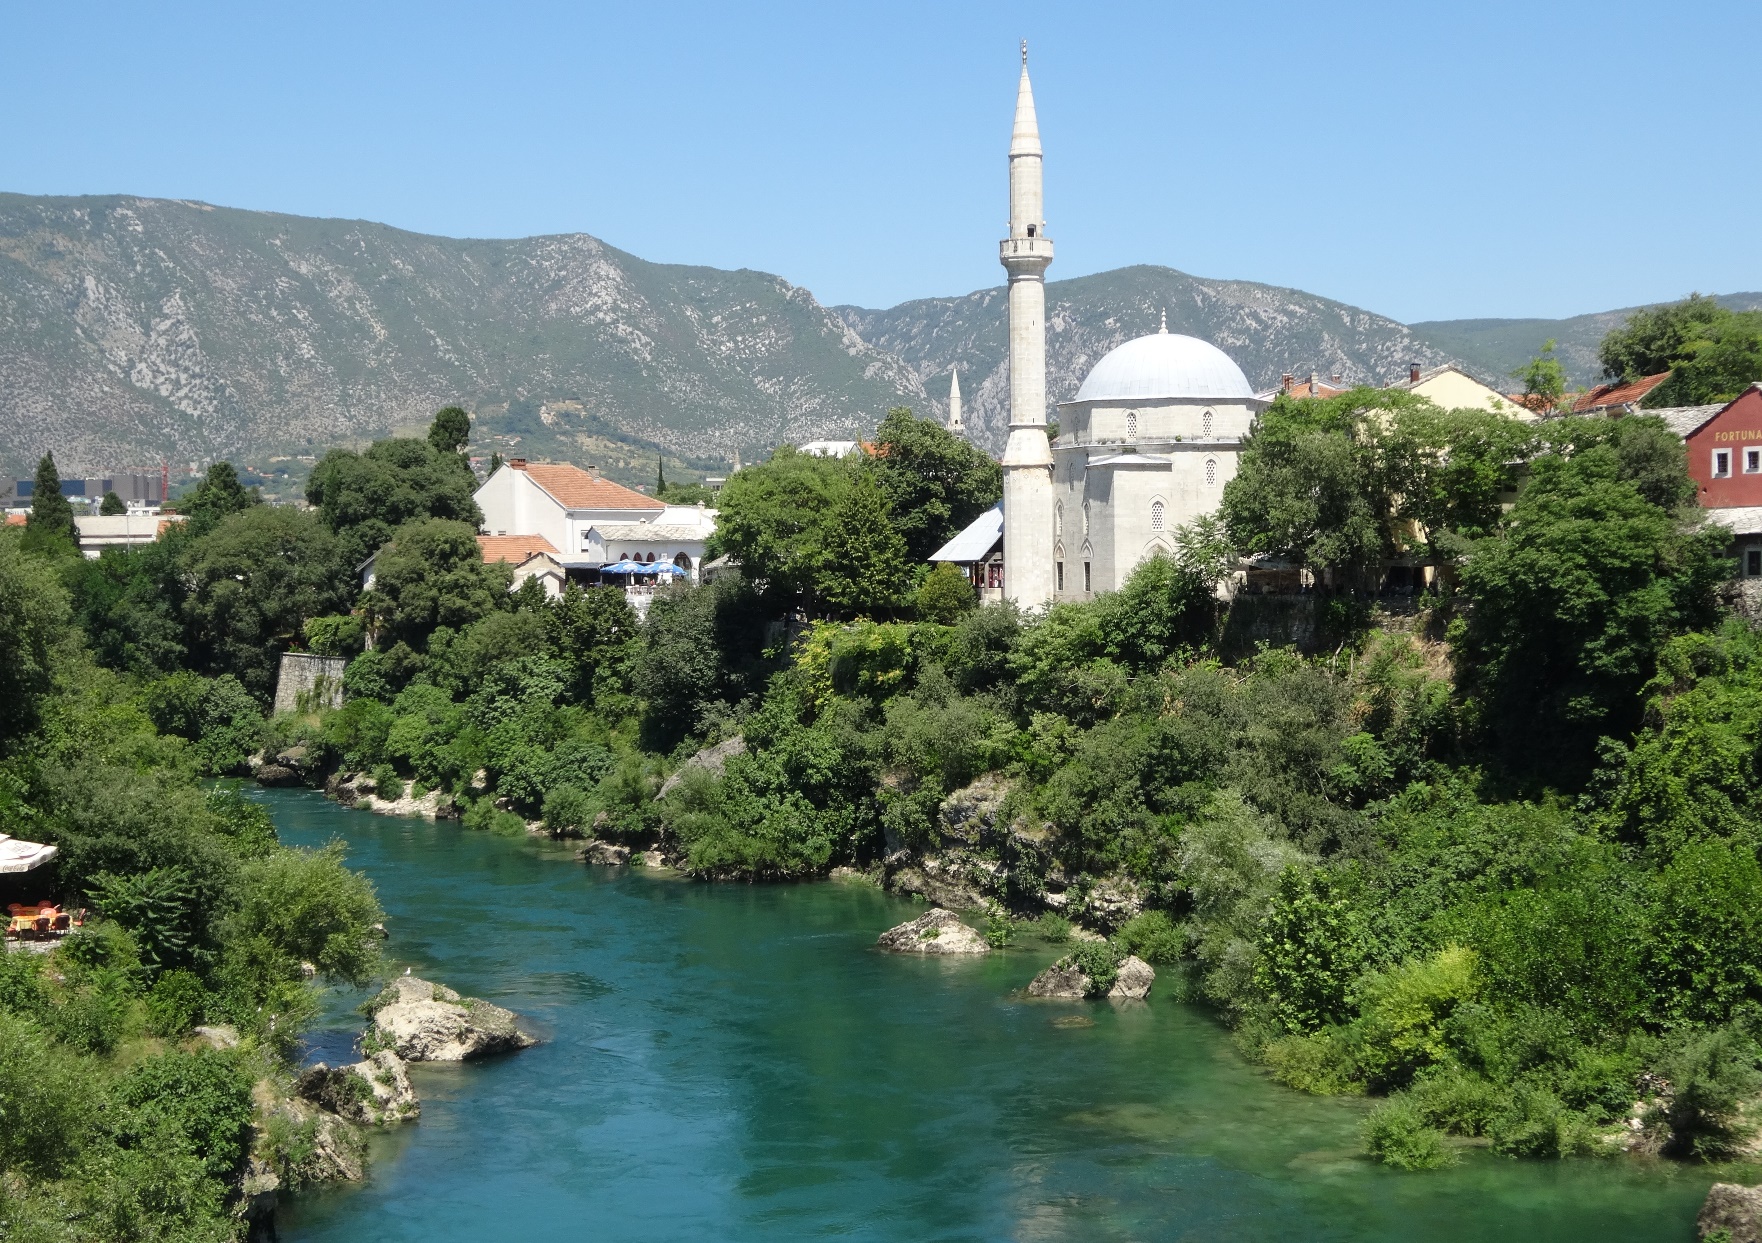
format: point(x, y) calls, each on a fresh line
point(512, 548)
point(575, 488)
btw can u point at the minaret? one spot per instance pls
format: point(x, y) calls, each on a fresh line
point(954, 404)
point(1027, 459)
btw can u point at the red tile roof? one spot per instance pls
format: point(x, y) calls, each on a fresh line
point(17, 520)
point(512, 548)
point(574, 488)
point(1606, 395)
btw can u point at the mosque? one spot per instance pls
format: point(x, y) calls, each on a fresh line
point(1147, 443)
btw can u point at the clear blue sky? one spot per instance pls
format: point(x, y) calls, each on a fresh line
point(1423, 160)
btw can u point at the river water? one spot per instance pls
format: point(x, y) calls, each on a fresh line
point(734, 1062)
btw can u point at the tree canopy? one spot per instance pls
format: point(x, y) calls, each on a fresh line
point(51, 515)
point(1712, 352)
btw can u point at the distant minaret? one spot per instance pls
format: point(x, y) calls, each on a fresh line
point(954, 404)
point(1027, 459)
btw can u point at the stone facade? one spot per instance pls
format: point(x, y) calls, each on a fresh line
point(308, 683)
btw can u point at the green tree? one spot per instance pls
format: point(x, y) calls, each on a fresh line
point(1320, 483)
point(305, 906)
point(432, 574)
point(51, 513)
point(129, 602)
point(945, 594)
point(365, 497)
point(219, 495)
point(1656, 338)
point(863, 561)
point(935, 482)
point(451, 430)
point(253, 583)
point(593, 632)
point(1570, 605)
point(660, 474)
point(34, 619)
point(112, 506)
point(773, 519)
point(1462, 465)
point(1544, 379)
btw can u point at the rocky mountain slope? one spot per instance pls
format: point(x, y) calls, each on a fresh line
point(1500, 346)
point(1267, 330)
point(131, 328)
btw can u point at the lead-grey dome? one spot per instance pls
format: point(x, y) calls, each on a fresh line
point(1165, 364)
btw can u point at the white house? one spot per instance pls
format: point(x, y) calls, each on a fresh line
point(589, 521)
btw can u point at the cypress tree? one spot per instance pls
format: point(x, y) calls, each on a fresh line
point(51, 514)
point(660, 474)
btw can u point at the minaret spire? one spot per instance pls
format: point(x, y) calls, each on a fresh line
point(1027, 458)
point(954, 403)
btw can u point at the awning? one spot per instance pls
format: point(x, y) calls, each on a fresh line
point(20, 856)
point(976, 542)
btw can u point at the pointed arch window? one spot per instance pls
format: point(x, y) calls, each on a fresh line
point(1205, 423)
point(1085, 517)
point(1210, 472)
point(1131, 425)
point(1058, 518)
point(1156, 515)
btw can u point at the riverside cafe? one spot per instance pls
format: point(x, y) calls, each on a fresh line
point(640, 578)
point(41, 920)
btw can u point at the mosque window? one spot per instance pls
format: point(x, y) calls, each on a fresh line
point(1205, 423)
point(1088, 582)
point(1210, 472)
point(1085, 517)
point(1058, 574)
point(1131, 425)
point(1156, 515)
point(1030, 230)
point(1058, 519)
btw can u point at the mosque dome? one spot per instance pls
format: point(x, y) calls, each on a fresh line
point(1165, 364)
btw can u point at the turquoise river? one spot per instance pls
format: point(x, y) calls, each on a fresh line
point(735, 1062)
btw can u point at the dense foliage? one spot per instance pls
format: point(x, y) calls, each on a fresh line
point(1712, 351)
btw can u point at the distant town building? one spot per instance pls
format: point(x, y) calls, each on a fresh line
point(1452, 388)
point(1618, 399)
point(588, 522)
point(137, 488)
point(131, 530)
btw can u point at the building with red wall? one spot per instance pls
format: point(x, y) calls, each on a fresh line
point(1725, 454)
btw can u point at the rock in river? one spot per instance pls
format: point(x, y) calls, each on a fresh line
point(1065, 980)
point(935, 932)
point(1736, 1210)
point(425, 1022)
point(375, 1092)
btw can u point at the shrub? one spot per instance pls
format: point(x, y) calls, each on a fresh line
point(1323, 1062)
point(1712, 1074)
point(308, 907)
point(945, 594)
point(48, 1098)
point(1535, 1123)
point(1458, 1101)
point(175, 1003)
point(1153, 937)
point(1396, 1133)
point(568, 812)
point(158, 907)
point(386, 782)
point(201, 1099)
point(999, 927)
point(1311, 949)
point(1100, 961)
point(1405, 1009)
point(1053, 928)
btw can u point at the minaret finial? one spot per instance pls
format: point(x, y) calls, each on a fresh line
point(1024, 53)
point(1165, 321)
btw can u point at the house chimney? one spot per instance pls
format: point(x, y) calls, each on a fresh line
point(1285, 382)
point(1314, 388)
point(516, 463)
point(1413, 373)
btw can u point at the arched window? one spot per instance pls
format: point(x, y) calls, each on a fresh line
point(1030, 230)
point(1205, 424)
point(1211, 472)
point(1058, 518)
point(1156, 515)
point(1085, 517)
point(1131, 425)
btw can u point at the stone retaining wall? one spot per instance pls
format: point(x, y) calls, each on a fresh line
point(308, 683)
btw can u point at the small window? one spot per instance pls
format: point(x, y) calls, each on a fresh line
point(1210, 472)
point(1205, 424)
point(1030, 230)
point(1156, 515)
point(1088, 583)
point(1058, 574)
point(1085, 517)
point(1753, 563)
point(1722, 463)
point(1058, 519)
point(586, 540)
point(1131, 425)
point(1752, 461)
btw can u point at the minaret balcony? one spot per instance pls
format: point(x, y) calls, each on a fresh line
point(1025, 251)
